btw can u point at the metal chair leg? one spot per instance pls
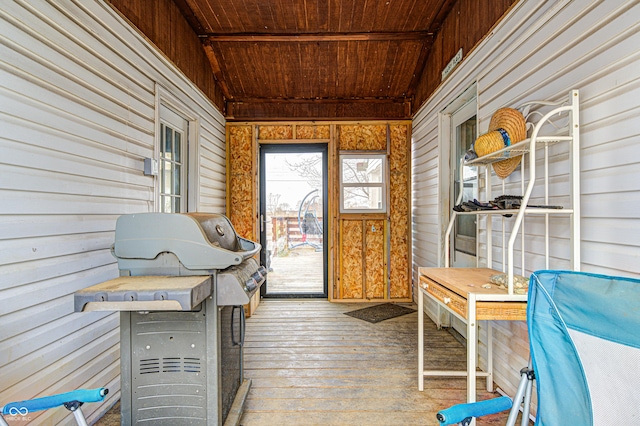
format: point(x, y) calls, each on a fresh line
point(527, 376)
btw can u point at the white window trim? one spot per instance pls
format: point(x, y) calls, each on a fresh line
point(166, 98)
point(383, 185)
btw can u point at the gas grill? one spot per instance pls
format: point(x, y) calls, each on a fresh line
point(184, 279)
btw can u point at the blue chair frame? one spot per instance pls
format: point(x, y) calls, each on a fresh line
point(70, 400)
point(573, 318)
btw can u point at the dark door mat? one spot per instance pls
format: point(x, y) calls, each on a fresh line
point(375, 314)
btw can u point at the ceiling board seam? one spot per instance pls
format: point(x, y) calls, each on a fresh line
point(314, 37)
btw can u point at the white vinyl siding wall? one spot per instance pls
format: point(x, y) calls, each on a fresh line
point(78, 115)
point(540, 51)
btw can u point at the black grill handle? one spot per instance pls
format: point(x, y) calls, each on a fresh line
point(242, 326)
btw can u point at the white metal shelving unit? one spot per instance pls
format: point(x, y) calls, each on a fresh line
point(459, 290)
point(528, 148)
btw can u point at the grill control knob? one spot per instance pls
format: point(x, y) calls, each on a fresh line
point(251, 284)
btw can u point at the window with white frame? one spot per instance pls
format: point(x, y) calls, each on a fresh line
point(173, 161)
point(363, 183)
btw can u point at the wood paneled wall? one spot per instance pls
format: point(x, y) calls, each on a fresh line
point(468, 22)
point(164, 25)
point(368, 253)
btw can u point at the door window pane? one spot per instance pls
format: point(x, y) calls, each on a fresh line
point(465, 227)
point(177, 174)
point(177, 146)
point(168, 141)
point(172, 168)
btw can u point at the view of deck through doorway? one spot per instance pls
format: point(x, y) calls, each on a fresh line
point(292, 217)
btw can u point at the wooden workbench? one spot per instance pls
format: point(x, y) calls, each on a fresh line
point(460, 291)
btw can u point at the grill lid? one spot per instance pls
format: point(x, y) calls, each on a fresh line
point(200, 241)
point(218, 230)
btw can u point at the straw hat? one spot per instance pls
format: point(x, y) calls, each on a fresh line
point(507, 127)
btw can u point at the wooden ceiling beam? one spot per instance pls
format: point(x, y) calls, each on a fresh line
point(322, 100)
point(316, 37)
point(189, 15)
point(217, 72)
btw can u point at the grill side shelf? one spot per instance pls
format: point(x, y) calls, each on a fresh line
point(145, 293)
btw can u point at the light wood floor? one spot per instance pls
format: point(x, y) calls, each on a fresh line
point(312, 365)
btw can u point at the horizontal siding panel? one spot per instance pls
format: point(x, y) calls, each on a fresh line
point(532, 59)
point(103, 374)
point(93, 48)
point(621, 179)
point(36, 161)
point(50, 265)
point(212, 167)
point(510, 349)
point(30, 136)
point(611, 205)
point(70, 80)
point(611, 230)
point(210, 178)
point(621, 258)
point(67, 182)
point(213, 150)
point(40, 292)
point(534, 260)
point(15, 323)
point(21, 345)
point(622, 151)
point(45, 366)
point(25, 226)
point(557, 55)
point(42, 203)
point(14, 105)
point(427, 186)
point(425, 166)
point(66, 358)
point(214, 133)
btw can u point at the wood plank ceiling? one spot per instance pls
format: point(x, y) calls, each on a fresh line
point(282, 59)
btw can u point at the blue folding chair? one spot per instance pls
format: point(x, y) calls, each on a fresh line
point(72, 401)
point(584, 339)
